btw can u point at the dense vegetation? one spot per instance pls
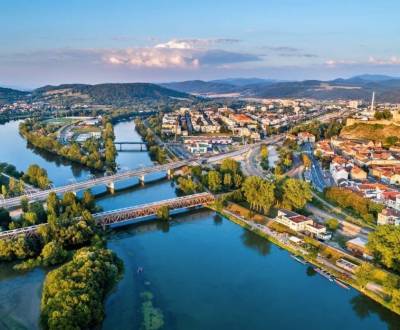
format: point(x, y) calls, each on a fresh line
point(73, 294)
point(355, 203)
point(89, 153)
point(156, 152)
point(383, 243)
point(14, 185)
point(70, 225)
point(320, 130)
point(37, 176)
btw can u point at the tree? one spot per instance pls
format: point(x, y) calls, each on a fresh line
point(230, 165)
point(196, 171)
point(5, 218)
point(364, 274)
point(53, 203)
point(163, 213)
point(227, 180)
point(214, 181)
point(264, 152)
point(4, 191)
point(295, 194)
point(24, 204)
point(53, 254)
point(384, 244)
point(187, 186)
point(88, 201)
point(306, 161)
point(332, 224)
point(31, 218)
point(259, 193)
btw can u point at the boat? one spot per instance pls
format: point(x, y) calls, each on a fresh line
point(340, 283)
point(324, 274)
point(299, 259)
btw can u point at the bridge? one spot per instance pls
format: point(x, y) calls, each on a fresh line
point(125, 215)
point(140, 173)
point(142, 144)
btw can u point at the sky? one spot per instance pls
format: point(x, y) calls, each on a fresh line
point(96, 41)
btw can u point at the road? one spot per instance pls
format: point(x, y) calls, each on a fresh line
point(316, 174)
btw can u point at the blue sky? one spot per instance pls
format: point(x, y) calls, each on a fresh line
point(92, 41)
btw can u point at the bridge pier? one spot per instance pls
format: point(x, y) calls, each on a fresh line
point(111, 187)
point(141, 180)
point(170, 173)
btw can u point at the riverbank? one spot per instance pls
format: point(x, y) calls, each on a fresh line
point(318, 262)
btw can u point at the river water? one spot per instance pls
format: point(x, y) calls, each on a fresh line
point(203, 271)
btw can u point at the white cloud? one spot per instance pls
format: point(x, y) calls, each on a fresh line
point(178, 53)
point(333, 63)
point(393, 60)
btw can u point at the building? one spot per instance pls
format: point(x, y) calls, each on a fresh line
point(389, 216)
point(304, 137)
point(358, 246)
point(300, 223)
point(358, 174)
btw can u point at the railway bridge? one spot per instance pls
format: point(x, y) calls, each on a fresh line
point(127, 215)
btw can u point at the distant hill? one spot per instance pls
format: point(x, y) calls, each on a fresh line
point(9, 95)
point(244, 81)
point(202, 87)
point(387, 88)
point(108, 94)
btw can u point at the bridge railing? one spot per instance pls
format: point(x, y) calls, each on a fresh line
point(124, 214)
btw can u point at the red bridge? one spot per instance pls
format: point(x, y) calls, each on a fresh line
point(127, 214)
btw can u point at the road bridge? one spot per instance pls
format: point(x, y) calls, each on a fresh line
point(140, 173)
point(128, 214)
point(142, 144)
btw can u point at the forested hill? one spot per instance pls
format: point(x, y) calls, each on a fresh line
point(110, 94)
point(8, 95)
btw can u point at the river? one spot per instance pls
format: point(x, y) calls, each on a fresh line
point(203, 271)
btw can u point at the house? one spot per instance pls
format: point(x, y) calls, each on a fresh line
point(356, 173)
point(339, 174)
point(358, 246)
point(300, 223)
point(304, 137)
point(389, 216)
point(347, 265)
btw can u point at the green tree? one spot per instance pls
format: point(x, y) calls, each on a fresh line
point(163, 213)
point(187, 186)
point(230, 165)
point(332, 224)
point(5, 218)
point(384, 245)
point(295, 194)
point(227, 180)
point(214, 181)
point(53, 254)
point(364, 274)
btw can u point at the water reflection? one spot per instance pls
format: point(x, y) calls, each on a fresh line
point(217, 219)
point(365, 307)
point(255, 242)
point(310, 271)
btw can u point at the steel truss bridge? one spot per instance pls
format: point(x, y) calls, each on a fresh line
point(126, 215)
